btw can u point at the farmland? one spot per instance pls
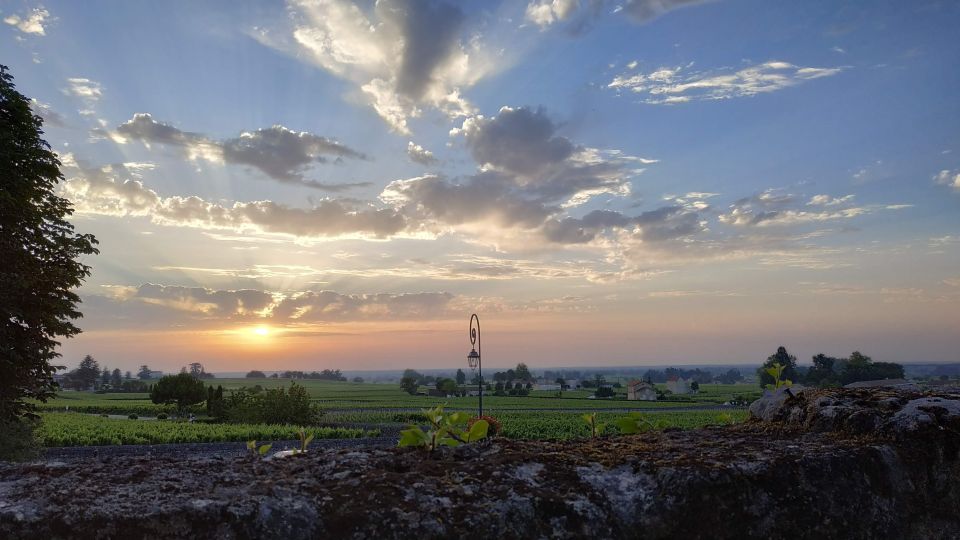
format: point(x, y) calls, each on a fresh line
point(355, 409)
point(73, 429)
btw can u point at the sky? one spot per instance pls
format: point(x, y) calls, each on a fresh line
point(326, 184)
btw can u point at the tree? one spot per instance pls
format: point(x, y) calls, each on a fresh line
point(357, 379)
point(116, 380)
point(105, 376)
point(128, 375)
point(447, 386)
point(256, 374)
point(409, 385)
point(563, 383)
point(822, 373)
point(39, 251)
point(461, 377)
point(182, 389)
point(785, 359)
point(695, 386)
point(523, 373)
point(144, 372)
point(87, 372)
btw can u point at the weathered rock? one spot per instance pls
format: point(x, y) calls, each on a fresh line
point(818, 471)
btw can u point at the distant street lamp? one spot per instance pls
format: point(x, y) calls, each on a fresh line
point(473, 359)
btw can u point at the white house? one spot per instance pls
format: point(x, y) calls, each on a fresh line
point(679, 386)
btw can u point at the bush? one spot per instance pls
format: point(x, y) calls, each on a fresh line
point(272, 406)
point(162, 416)
point(19, 442)
point(132, 416)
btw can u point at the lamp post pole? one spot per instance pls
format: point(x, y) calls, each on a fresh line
point(475, 358)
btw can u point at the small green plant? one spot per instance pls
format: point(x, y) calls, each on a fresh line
point(596, 429)
point(260, 451)
point(445, 430)
point(304, 441)
point(132, 416)
point(162, 416)
point(726, 419)
point(637, 423)
point(776, 371)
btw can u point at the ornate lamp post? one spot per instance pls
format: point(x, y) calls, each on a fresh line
point(473, 359)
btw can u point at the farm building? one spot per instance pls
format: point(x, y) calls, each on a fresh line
point(641, 391)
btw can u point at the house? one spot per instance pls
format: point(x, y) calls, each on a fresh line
point(641, 391)
point(679, 386)
point(547, 387)
point(155, 375)
point(884, 383)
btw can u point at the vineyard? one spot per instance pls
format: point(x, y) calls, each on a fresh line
point(71, 429)
point(352, 409)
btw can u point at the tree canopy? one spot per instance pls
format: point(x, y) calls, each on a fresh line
point(182, 389)
point(40, 252)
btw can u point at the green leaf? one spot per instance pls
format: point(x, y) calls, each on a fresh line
point(478, 431)
point(251, 445)
point(413, 436)
point(264, 449)
point(628, 426)
point(308, 441)
point(448, 441)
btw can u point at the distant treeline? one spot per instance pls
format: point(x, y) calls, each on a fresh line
point(325, 375)
point(830, 371)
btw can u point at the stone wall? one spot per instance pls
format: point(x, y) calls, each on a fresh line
point(822, 464)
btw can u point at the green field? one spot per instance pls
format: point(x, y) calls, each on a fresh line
point(348, 405)
point(73, 429)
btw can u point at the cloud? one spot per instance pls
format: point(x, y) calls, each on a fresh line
point(402, 55)
point(948, 178)
point(153, 304)
point(827, 200)
point(328, 306)
point(45, 111)
point(642, 11)
point(545, 13)
point(674, 85)
point(32, 23)
point(278, 152)
point(116, 190)
point(528, 178)
point(87, 90)
point(419, 154)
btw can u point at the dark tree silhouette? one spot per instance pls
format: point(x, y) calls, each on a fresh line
point(40, 252)
point(182, 389)
point(782, 357)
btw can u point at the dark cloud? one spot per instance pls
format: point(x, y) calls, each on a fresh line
point(431, 34)
point(521, 141)
point(278, 152)
point(662, 224)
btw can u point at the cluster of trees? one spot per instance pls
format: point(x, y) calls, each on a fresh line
point(830, 371)
point(519, 373)
point(246, 405)
point(325, 375)
point(89, 375)
point(412, 380)
point(698, 375)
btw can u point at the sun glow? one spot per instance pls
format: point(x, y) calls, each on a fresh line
point(261, 331)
